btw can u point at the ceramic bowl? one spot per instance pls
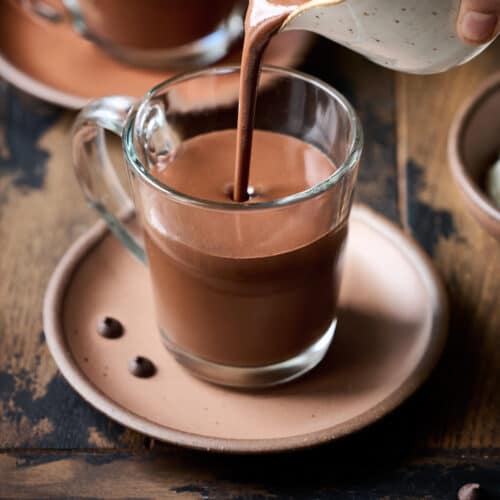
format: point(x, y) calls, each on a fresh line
point(473, 147)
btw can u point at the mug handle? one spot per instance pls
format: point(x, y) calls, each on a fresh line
point(95, 171)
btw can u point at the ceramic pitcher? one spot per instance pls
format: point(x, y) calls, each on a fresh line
point(413, 36)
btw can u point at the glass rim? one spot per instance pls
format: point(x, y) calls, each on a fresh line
point(352, 157)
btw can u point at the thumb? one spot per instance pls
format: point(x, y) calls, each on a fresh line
point(478, 20)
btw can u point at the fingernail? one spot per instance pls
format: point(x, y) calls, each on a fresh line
point(478, 27)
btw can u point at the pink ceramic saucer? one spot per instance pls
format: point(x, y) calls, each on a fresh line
point(53, 63)
point(392, 329)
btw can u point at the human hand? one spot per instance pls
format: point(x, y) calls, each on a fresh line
point(478, 20)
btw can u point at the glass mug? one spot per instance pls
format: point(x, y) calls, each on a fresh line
point(231, 312)
point(173, 34)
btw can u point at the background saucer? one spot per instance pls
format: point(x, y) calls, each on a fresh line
point(52, 62)
point(392, 329)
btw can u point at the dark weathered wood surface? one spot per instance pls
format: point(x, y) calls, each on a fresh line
point(54, 445)
point(466, 387)
point(187, 475)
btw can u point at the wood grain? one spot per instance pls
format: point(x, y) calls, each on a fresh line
point(463, 407)
point(188, 475)
point(41, 213)
point(456, 413)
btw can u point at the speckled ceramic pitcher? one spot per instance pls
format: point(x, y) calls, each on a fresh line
point(414, 36)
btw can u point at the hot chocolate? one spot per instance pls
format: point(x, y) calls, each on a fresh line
point(265, 290)
point(245, 266)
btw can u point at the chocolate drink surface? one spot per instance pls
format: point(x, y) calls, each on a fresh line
point(252, 292)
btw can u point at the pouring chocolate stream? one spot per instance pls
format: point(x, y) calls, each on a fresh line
point(264, 18)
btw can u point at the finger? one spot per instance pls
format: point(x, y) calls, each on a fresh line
point(478, 21)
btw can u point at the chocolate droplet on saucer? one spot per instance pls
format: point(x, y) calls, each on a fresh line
point(470, 491)
point(141, 367)
point(110, 328)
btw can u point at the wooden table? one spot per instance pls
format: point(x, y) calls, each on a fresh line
point(54, 445)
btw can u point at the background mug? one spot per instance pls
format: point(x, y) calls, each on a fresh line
point(196, 279)
point(177, 34)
